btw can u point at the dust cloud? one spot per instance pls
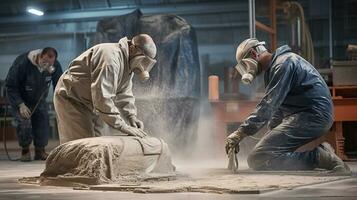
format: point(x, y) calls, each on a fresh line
point(187, 125)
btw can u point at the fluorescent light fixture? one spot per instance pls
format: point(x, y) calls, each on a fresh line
point(35, 11)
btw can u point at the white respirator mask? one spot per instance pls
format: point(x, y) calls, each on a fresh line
point(141, 65)
point(46, 66)
point(248, 68)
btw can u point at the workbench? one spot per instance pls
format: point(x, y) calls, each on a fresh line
point(345, 107)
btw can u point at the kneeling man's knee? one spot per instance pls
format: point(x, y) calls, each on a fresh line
point(258, 160)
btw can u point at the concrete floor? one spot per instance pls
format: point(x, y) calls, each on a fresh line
point(11, 171)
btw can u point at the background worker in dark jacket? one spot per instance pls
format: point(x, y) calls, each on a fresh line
point(297, 107)
point(27, 85)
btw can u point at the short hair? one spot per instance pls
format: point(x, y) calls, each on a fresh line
point(48, 50)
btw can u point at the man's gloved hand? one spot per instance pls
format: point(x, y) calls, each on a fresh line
point(134, 122)
point(233, 140)
point(132, 131)
point(25, 112)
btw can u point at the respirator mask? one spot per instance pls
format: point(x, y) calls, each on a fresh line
point(141, 65)
point(46, 66)
point(248, 67)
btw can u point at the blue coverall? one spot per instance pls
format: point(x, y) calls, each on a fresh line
point(25, 84)
point(298, 106)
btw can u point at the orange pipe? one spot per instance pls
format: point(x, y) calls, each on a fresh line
point(213, 87)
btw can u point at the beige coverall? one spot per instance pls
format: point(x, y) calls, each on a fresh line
point(94, 92)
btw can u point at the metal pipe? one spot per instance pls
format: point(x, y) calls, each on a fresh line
point(299, 40)
point(27, 36)
point(330, 33)
point(252, 18)
point(293, 35)
point(196, 26)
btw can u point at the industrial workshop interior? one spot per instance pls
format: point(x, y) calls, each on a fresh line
point(178, 99)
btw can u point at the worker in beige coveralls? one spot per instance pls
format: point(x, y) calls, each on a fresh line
point(96, 90)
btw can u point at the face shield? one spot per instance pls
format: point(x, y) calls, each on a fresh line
point(141, 65)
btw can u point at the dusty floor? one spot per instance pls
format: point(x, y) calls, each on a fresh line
point(11, 189)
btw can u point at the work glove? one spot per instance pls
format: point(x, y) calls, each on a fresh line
point(233, 140)
point(136, 123)
point(132, 131)
point(25, 112)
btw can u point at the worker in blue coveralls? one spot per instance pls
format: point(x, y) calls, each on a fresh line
point(27, 85)
point(297, 108)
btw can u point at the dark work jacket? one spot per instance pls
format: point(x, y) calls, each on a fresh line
point(25, 83)
point(292, 85)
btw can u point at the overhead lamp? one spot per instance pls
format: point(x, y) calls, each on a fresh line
point(35, 11)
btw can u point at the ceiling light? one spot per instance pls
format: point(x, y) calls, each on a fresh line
point(35, 11)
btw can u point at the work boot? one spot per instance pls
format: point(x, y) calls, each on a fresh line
point(25, 155)
point(40, 153)
point(327, 159)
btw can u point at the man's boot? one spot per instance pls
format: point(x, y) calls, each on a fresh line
point(327, 159)
point(25, 154)
point(40, 153)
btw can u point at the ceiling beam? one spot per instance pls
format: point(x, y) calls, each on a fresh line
point(88, 15)
point(109, 4)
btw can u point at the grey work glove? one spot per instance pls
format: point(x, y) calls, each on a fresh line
point(136, 123)
point(25, 112)
point(132, 131)
point(233, 140)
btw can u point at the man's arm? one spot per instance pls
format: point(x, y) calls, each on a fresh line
point(125, 100)
point(276, 91)
point(13, 82)
point(103, 87)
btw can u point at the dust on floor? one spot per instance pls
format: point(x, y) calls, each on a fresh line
point(217, 180)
